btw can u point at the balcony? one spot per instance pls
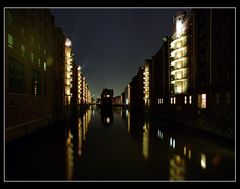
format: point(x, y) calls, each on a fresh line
point(174, 52)
point(183, 38)
point(178, 69)
point(178, 80)
point(184, 58)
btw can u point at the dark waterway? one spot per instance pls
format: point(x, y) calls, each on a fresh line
point(119, 145)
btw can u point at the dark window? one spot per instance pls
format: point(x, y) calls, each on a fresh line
point(16, 76)
point(23, 31)
point(45, 86)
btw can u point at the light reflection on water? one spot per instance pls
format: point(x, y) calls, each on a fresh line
point(185, 162)
point(126, 146)
point(82, 128)
point(203, 161)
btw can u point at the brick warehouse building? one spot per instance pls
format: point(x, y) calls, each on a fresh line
point(38, 72)
point(191, 78)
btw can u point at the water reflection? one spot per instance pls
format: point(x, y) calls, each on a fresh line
point(203, 161)
point(160, 140)
point(177, 168)
point(77, 130)
point(106, 116)
point(69, 156)
point(135, 147)
point(145, 146)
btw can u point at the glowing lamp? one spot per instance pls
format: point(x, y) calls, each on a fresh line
point(179, 27)
point(68, 42)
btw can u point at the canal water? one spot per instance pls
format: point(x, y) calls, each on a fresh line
point(118, 145)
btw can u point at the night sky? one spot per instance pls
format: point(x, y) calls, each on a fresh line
point(111, 44)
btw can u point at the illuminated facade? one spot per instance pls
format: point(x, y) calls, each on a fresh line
point(179, 56)
point(84, 95)
point(193, 72)
point(146, 83)
point(128, 98)
point(79, 88)
point(68, 73)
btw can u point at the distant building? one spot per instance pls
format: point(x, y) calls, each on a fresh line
point(136, 91)
point(160, 79)
point(123, 98)
point(117, 100)
point(107, 98)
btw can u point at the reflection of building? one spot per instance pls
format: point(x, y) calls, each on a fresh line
point(69, 156)
point(177, 168)
point(106, 116)
point(145, 142)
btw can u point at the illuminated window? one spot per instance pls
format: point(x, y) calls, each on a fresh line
point(172, 142)
point(171, 100)
point(179, 65)
point(179, 27)
point(179, 75)
point(22, 50)
point(174, 100)
point(44, 66)
point(44, 51)
point(185, 99)
point(162, 100)
point(217, 98)
point(190, 99)
point(10, 40)
point(32, 57)
point(203, 161)
point(202, 101)
point(228, 98)
point(179, 88)
point(179, 44)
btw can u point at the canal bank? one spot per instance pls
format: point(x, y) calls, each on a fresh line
point(26, 128)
